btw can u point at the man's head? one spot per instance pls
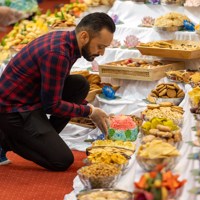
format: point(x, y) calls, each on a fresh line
point(94, 33)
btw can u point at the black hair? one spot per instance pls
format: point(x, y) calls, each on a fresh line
point(93, 23)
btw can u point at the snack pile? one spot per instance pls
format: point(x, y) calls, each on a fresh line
point(170, 19)
point(164, 110)
point(167, 90)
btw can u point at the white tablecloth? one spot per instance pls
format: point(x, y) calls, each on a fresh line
point(184, 165)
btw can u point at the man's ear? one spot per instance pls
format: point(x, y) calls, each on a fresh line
point(84, 37)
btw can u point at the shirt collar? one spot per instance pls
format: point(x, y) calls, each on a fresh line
point(74, 45)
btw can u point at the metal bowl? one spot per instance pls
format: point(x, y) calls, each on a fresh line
point(175, 101)
point(105, 194)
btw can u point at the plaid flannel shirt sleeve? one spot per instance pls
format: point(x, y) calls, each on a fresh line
point(53, 72)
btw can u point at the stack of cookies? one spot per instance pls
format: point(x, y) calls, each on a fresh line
point(167, 91)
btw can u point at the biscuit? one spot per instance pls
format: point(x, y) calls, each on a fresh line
point(163, 92)
point(155, 92)
point(177, 110)
point(165, 104)
point(171, 87)
point(176, 86)
point(152, 106)
point(161, 86)
point(153, 95)
point(182, 94)
point(177, 107)
point(171, 93)
point(179, 91)
point(163, 128)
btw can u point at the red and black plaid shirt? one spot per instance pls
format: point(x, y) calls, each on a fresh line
point(35, 77)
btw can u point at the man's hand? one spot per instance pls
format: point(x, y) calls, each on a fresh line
point(9, 16)
point(100, 119)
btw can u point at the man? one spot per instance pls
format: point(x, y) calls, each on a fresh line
point(37, 82)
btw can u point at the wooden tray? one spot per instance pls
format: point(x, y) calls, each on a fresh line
point(171, 53)
point(139, 73)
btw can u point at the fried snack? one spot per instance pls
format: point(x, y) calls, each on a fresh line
point(119, 143)
point(107, 157)
point(99, 170)
point(170, 19)
point(157, 149)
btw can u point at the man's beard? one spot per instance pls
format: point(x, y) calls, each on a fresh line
point(86, 53)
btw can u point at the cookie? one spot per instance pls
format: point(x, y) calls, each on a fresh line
point(182, 94)
point(171, 93)
point(176, 86)
point(160, 87)
point(163, 128)
point(171, 87)
point(177, 107)
point(155, 92)
point(162, 93)
point(153, 95)
point(152, 106)
point(165, 104)
point(177, 110)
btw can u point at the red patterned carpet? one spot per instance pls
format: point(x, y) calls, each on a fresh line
point(24, 180)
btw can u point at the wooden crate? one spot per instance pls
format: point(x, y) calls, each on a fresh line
point(139, 73)
point(171, 53)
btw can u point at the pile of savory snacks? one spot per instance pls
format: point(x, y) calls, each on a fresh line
point(104, 156)
point(167, 91)
point(163, 129)
point(158, 185)
point(111, 143)
point(172, 19)
point(156, 152)
point(164, 110)
point(180, 75)
point(120, 150)
point(105, 194)
point(23, 33)
point(100, 175)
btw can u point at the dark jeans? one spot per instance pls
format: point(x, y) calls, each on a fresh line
point(35, 137)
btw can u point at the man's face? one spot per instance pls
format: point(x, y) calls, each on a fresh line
point(96, 46)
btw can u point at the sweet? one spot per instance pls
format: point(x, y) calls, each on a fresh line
point(123, 127)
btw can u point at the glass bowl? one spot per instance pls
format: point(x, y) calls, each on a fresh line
point(105, 194)
point(150, 164)
point(99, 178)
